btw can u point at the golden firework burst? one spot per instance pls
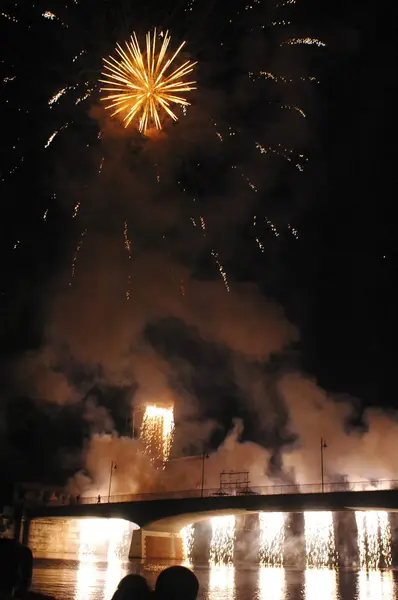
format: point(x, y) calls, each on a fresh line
point(141, 85)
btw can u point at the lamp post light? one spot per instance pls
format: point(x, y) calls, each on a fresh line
point(323, 446)
point(113, 468)
point(204, 456)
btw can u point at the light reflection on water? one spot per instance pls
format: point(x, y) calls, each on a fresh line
point(97, 581)
point(272, 583)
point(321, 583)
point(221, 582)
point(376, 585)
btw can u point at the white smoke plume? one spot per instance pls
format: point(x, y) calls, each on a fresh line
point(352, 453)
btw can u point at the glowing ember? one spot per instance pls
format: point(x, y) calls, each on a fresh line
point(319, 539)
point(157, 432)
point(272, 538)
point(222, 545)
point(374, 539)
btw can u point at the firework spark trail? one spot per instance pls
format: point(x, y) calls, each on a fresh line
point(213, 252)
point(157, 432)
point(127, 245)
point(249, 182)
point(12, 170)
point(188, 537)
point(50, 139)
point(258, 241)
point(222, 544)
point(53, 17)
point(281, 78)
point(272, 538)
point(221, 269)
point(76, 209)
point(319, 539)
point(75, 256)
point(272, 583)
point(139, 84)
point(293, 107)
point(53, 198)
point(54, 99)
point(307, 41)
point(77, 56)
point(11, 18)
point(272, 227)
point(374, 539)
point(260, 244)
point(84, 97)
point(283, 153)
point(276, 24)
point(49, 15)
point(293, 231)
point(55, 133)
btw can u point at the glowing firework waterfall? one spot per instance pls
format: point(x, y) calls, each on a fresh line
point(374, 539)
point(104, 537)
point(221, 555)
point(272, 538)
point(222, 544)
point(140, 85)
point(188, 538)
point(319, 539)
point(157, 432)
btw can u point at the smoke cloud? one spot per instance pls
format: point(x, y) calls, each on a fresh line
point(359, 454)
point(95, 338)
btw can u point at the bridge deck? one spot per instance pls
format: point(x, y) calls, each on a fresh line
point(173, 513)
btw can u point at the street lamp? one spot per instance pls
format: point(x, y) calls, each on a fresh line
point(113, 468)
point(204, 456)
point(323, 446)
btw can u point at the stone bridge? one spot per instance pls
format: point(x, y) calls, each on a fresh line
point(165, 517)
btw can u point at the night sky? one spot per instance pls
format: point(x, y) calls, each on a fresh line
point(334, 284)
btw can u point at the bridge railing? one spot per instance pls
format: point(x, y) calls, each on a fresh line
point(271, 490)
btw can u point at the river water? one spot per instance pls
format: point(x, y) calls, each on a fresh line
point(72, 580)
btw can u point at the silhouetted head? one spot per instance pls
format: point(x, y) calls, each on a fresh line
point(132, 587)
point(176, 583)
point(26, 569)
point(10, 572)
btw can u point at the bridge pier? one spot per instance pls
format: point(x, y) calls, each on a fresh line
point(156, 544)
point(346, 535)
